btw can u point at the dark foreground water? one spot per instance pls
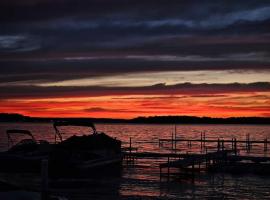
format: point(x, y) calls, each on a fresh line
point(142, 181)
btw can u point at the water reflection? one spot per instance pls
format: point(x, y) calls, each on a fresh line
point(142, 181)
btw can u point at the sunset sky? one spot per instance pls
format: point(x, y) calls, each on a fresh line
point(129, 58)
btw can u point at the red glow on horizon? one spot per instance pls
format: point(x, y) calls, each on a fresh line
point(126, 107)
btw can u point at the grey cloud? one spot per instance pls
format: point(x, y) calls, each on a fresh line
point(154, 35)
point(217, 21)
point(14, 92)
point(46, 71)
point(213, 21)
point(17, 43)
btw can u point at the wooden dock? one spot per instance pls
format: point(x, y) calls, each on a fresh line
point(224, 156)
point(219, 142)
point(220, 161)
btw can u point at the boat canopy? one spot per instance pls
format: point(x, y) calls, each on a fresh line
point(18, 131)
point(85, 123)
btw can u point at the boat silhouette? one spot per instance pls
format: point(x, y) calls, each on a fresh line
point(91, 154)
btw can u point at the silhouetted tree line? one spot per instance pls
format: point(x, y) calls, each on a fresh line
point(5, 117)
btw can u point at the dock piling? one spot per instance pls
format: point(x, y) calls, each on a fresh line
point(233, 143)
point(235, 146)
point(201, 141)
point(168, 173)
point(172, 140)
point(45, 181)
point(222, 143)
point(265, 145)
point(130, 145)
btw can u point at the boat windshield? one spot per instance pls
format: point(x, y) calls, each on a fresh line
point(58, 124)
point(18, 131)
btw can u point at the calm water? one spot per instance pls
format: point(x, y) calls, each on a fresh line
point(142, 181)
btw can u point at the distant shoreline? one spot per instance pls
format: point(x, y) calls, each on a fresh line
point(5, 117)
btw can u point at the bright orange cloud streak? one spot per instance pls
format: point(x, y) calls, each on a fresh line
point(228, 105)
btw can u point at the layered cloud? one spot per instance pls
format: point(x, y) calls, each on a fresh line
point(13, 92)
point(110, 49)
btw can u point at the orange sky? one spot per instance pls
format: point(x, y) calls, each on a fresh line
point(129, 106)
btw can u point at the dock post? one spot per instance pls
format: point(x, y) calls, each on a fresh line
point(201, 140)
point(265, 145)
point(218, 145)
point(204, 138)
point(175, 137)
point(130, 149)
point(168, 174)
point(189, 144)
point(160, 172)
point(45, 181)
point(172, 140)
point(235, 146)
point(247, 147)
point(248, 142)
point(223, 145)
point(130, 145)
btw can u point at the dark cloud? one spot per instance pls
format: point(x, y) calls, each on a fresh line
point(44, 9)
point(45, 40)
point(47, 71)
point(14, 92)
point(122, 23)
point(102, 110)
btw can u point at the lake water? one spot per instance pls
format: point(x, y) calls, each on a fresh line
point(142, 181)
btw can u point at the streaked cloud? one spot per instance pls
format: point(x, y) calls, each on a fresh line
point(124, 58)
point(167, 77)
point(15, 92)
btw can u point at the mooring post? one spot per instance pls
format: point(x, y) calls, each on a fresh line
point(130, 146)
point(235, 146)
point(218, 145)
point(265, 145)
point(172, 140)
point(204, 138)
point(175, 136)
point(248, 142)
point(189, 144)
point(160, 172)
point(201, 141)
point(45, 181)
point(168, 175)
point(223, 145)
